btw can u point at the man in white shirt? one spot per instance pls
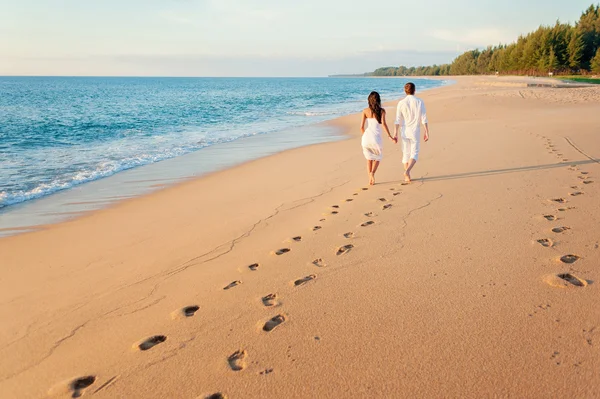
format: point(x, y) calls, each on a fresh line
point(410, 114)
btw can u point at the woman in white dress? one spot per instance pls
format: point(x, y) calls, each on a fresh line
point(374, 116)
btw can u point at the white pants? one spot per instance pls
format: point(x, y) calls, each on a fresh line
point(410, 149)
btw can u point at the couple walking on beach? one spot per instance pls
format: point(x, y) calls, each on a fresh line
point(410, 114)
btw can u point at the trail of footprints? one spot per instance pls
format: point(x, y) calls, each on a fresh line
point(237, 360)
point(566, 279)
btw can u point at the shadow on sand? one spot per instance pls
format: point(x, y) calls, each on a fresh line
point(492, 172)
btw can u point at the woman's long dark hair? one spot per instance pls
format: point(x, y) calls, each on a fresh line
point(375, 105)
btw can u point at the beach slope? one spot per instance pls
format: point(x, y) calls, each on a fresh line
point(288, 276)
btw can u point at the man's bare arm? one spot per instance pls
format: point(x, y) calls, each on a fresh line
point(398, 122)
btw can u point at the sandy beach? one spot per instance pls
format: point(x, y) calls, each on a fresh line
point(288, 276)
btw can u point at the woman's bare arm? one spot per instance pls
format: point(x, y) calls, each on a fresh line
point(362, 122)
point(385, 126)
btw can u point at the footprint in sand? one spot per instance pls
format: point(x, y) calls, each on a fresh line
point(565, 280)
point(560, 229)
point(382, 199)
point(315, 228)
point(334, 212)
point(396, 193)
point(319, 262)
point(270, 300)
point(368, 223)
point(545, 242)
point(232, 284)
point(350, 199)
point(558, 200)
point(281, 251)
point(150, 343)
point(187, 311)
point(344, 249)
point(237, 360)
point(576, 194)
point(369, 214)
point(566, 209)
point(217, 395)
point(364, 188)
point(349, 235)
point(335, 206)
point(254, 267)
point(404, 184)
point(587, 182)
point(304, 280)
point(551, 218)
point(322, 220)
point(565, 160)
point(74, 388)
point(569, 259)
point(585, 173)
point(297, 238)
point(388, 206)
point(274, 323)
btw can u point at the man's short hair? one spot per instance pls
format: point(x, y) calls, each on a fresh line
point(409, 88)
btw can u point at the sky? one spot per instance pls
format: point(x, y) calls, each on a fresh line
point(256, 37)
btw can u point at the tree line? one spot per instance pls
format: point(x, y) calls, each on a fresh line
point(560, 49)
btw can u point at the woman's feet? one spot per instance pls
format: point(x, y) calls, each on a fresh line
point(407, 177)
point(371, 179)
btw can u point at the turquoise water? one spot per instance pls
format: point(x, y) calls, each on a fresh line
point(59, 132)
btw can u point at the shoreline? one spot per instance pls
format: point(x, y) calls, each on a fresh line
point(41, 213)
point(148, 179)
point(480, 279)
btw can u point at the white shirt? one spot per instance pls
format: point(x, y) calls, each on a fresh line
point(410, 114)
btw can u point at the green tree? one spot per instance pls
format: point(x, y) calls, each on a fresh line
point(575, 50)
point(553, 62)
point(589, 28)
point(595, 63)
point(542, 65)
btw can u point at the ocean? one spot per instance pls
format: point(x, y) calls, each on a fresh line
point(60, 132)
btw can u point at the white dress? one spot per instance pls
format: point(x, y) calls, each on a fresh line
point(371, 141)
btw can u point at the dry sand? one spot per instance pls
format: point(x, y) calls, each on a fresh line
point(448, 293)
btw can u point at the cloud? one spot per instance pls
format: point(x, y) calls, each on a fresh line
point(479, 37)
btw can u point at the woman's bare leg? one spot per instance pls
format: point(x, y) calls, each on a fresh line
point(373, 170)
point(375, 166)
